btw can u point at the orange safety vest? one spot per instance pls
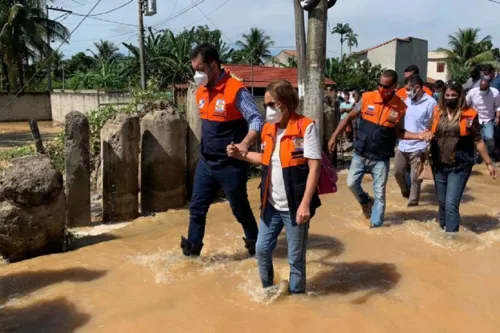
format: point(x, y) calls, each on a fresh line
point(466, 118)
point(465, 151)
point(293, 163)
point(402, 92)
point(222, 122)
point(376, 136)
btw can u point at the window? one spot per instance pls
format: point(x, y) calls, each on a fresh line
point(441, 67)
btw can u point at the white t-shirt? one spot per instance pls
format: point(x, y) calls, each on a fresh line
point(312, 151)
point(485, 105)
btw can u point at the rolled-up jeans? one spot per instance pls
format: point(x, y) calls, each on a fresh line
point(488, 135)
point(271, 225)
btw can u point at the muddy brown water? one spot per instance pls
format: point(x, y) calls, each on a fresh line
point(404, 277)
point(16, 134)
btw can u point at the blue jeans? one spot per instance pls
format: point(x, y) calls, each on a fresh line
point(271, 224)
point(450, 183)
point(488, 134)
point(379, 171)
point(207, 182)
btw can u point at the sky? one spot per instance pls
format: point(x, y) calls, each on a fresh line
point(374, 21)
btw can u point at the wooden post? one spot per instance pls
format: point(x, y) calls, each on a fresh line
point(35, 132)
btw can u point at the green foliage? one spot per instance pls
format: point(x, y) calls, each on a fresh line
point(349, 73)
point(466, 50)
point(255, 47)
point(8, 154)
point(55, 151)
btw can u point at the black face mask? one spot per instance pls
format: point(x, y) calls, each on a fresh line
point(452, 103)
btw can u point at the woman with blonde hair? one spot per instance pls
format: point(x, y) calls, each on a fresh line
point(457, 136)
point(291, 164)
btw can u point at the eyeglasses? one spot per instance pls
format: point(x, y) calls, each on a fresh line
point(270, 104)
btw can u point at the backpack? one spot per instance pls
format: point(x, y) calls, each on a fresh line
point(328, 176)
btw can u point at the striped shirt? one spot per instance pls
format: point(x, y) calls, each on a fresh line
point(246, 105)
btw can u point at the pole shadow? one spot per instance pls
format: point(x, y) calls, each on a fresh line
point(24, 283)
point(74, 243)
point(54, 316)
point(347, 278)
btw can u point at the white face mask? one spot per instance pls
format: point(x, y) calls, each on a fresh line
point(273, 115)
point(483, 93)
point(412, 94)
point(200, 78)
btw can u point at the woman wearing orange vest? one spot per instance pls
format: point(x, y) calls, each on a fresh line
point(291, 163)
point(457, 135)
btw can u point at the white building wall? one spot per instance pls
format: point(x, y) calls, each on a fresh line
point(384, 55)
point(435, 58)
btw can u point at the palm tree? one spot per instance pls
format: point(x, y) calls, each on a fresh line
point(352, 40)
point(106, 52)
point(23, 37)
point(342, 30)
point(255, 46)
point(467, 49)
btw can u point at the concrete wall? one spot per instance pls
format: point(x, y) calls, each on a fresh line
point(434, 58)
point(64, 102)
point(413, 52)
point(26, 106)
point(384, 55)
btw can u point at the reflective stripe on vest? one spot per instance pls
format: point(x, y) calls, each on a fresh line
point(466, 118)
point(219, 104)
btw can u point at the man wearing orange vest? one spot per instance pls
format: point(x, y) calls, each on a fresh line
point(229, 115)
point(410, 71)
point(381, 123)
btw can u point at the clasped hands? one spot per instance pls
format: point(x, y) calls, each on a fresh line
point(238, 151)
point(426, 135)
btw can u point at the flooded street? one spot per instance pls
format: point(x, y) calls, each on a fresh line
point(16, 134)
point(404, 277)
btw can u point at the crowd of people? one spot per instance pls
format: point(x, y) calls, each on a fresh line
point(445, 127)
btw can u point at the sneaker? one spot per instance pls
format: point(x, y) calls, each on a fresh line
point(190, 250)
point(412, 204)
point(367, 207)
point(250, 246)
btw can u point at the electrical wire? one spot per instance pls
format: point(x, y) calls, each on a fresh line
point(209, 20)
point(115, 22)
point(179, 13)
point(106, 12)
point(48, 59)
point(210, 12)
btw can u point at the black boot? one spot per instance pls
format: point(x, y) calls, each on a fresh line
point(190, 250)
point(250, 246)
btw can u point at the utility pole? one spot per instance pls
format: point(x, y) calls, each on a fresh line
point(141, 44)
point(49, 63)
point(300, 42)
point(315, 64)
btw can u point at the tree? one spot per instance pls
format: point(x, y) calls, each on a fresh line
point(342, 30)
point(107, 76)
point(106, 52)
point(466, 50)
point(352, 40)
point(79, 62)
point(255, 47)
point(350, 73)
point(203, 34)
point(24, 29)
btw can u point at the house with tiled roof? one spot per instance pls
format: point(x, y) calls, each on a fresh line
point(282, 59)
point(397, 54)
point(258, 77)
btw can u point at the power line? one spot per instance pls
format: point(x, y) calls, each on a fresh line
point(209, 20)
point(48, 59)
point(110, 21)
point(179, 13)
point(106, 12)
point(210, 12)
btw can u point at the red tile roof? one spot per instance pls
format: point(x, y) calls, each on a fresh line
point(407, 39)
point(262, 76)
point(292, 53)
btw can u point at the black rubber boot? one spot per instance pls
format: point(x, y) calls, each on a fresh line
point(190, 250)
point(250, 246)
